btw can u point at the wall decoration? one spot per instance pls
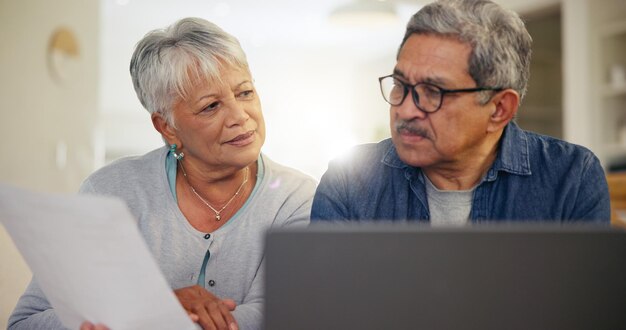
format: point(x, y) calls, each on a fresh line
point(62, 51)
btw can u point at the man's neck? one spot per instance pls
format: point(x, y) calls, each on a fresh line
point(464, 173)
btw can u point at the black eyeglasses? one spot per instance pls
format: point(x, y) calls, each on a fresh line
point(427, 97)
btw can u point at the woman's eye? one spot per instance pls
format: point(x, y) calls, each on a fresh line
point(211, 107)
point(247, 94)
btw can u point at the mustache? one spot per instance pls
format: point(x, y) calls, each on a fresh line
point(409, 127)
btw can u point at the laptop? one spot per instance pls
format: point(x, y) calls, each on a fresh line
point(415, 277)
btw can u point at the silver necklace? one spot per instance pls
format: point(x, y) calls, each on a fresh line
point(218, 217)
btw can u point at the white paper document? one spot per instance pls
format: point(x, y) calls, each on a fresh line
point(90, 260)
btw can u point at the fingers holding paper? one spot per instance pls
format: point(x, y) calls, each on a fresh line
point(206, 309)
point(90, 326)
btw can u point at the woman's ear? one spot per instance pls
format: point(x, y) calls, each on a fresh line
point(167, 131)
point(506, 104)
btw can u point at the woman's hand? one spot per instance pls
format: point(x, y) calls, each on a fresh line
point(206, 309)
point(90, 326)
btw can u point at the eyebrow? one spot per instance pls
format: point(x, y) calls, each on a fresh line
point(216, 94)
point(430, 80)
point(397, 72)
point(243, 82)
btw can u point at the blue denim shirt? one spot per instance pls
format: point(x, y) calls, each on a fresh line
point(534, 177)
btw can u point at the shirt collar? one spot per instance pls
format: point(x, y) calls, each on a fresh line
point(390, 157)
point(512, 155)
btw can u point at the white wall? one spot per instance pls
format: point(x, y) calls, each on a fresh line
point(317, 81)
point(37, 114)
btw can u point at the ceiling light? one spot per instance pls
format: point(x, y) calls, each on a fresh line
point(364, 13)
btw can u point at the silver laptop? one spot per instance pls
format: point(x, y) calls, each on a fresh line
point(415, 277)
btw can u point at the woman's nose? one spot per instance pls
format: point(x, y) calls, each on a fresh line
point(237, 114)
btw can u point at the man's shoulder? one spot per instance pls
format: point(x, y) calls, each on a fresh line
point(555, 147)
point(366, 154)
point(527, 146)
point(365, 164)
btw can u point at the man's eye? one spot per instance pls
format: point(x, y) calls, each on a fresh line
point(431, 91)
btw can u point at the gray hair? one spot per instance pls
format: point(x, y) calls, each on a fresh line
point(501, 45)
point(168, 62)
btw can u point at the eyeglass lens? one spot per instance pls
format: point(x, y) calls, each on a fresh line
point(426, 97)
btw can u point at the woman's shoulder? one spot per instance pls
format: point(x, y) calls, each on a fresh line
point(274, 170)
point(126, 170)
point(284, 195)
point(280, 183)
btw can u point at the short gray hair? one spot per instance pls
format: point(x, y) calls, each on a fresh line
point(168, 62)
point(501, 45)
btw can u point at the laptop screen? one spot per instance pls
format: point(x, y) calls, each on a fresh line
point(415, 277)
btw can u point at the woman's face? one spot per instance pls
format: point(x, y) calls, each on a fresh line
point(221, 124)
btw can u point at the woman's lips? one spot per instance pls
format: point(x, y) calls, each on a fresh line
point(242, 140)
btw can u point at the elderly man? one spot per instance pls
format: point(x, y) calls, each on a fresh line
point(455, 154)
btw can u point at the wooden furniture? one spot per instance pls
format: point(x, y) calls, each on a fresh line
point(617, 191)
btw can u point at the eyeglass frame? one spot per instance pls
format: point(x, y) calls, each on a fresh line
point(444, 91)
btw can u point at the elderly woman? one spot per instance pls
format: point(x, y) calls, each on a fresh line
point(204, 201)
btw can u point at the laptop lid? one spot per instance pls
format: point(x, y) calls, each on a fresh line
point(415, 277)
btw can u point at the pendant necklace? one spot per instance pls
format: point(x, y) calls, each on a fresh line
point(218, 217)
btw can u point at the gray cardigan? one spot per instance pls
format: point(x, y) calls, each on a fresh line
point(281, 197)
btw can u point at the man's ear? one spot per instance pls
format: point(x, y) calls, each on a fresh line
point(167, 131)
point(506, 103)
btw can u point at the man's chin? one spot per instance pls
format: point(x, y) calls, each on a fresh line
point(413, 157)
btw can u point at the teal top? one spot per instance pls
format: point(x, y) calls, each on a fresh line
point(171, 168)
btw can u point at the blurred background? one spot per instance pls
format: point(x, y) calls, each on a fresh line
point(68, 107)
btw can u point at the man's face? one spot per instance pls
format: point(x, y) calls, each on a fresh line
point(455, 132)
